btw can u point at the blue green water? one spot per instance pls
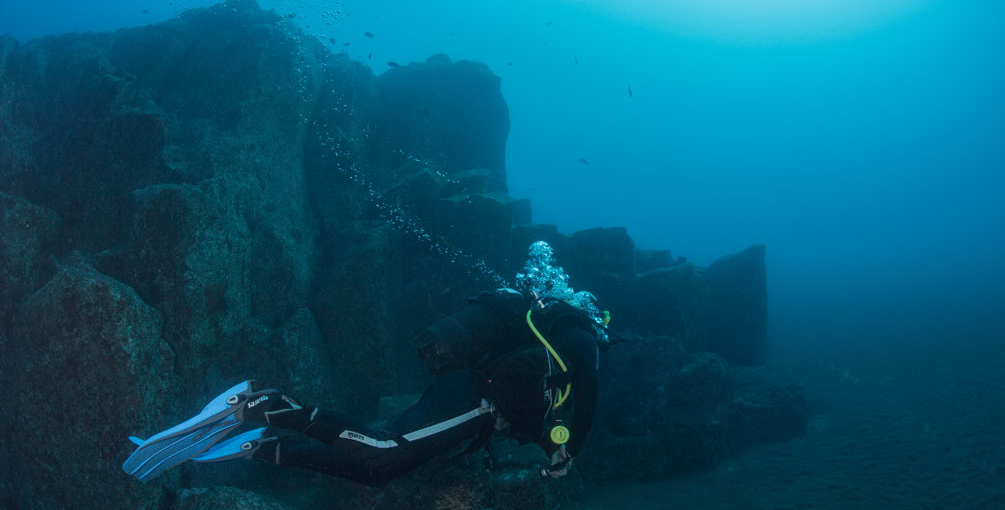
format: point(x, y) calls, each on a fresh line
point(864, 138)
point(862, 142)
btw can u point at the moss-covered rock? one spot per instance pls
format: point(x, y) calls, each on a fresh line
point(85, 368)
point(27, 243)
point(220, 497)
point(79, 135)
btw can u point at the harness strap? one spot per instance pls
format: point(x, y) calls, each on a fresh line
point(557, 380)
point(562, 396)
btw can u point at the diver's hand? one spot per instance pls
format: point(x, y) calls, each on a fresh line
point(561, 463)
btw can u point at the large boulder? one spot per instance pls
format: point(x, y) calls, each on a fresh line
point(599, 254)
point(458, 218)
point(738, 289)
point(632, 370)
point(420, 150)
point(481, 224)
point(85, 367)
point(6, 488)
point(28, 237)
point(305, 360)
point(218, 497)
point(7, 43)
point(766, 407)
point(672, 301)
point(648, 260)
point(677, 413)
point(79, 135)
point(450, 114)
point(339, 148)
point(512, 483)
point(176, 169)
point(225, 247)
point(359, 307)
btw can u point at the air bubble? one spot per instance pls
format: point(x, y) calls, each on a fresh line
point(398, 218)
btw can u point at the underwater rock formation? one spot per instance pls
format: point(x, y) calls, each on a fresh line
point(86, 366)
point(694, 409)
point(445, 112)
point(26, 261)
point(203, 498)
point(647, 260)
point(738, 289)
point(218, 197)
point(722, 308)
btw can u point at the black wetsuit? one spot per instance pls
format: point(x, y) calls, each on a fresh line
point(506, 387)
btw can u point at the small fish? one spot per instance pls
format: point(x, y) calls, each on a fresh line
point(630, 90)
point(368, 34)
point(576, 59)
point(146, 11)
point(331, 40)
point(547, 24)
point(369, 56)
point(509, 63)
point(346, 44)
point(393, 64)
point(453, 34)
point(583, 161)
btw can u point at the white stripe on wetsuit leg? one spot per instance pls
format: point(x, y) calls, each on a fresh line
point(421, 433)
point(453, 422)
point(367, 440)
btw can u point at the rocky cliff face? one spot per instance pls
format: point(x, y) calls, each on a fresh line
point(218, 197)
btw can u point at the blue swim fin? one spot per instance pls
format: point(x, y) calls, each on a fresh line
point(188, 439)
point(240, 446)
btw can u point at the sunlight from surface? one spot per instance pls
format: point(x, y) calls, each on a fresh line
point(760, 19)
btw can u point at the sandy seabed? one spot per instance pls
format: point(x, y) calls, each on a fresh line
point(912, 427)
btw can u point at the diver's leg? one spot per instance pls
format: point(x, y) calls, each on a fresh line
point(451, 411)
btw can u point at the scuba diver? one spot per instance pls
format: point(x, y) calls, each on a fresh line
point(520, 363)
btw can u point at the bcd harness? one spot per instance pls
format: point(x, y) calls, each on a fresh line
point(558, 434)
point(471, 342)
